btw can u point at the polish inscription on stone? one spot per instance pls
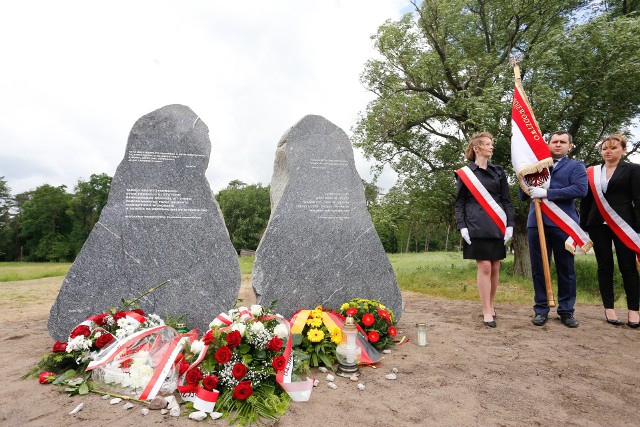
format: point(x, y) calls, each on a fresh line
point(320, 246)
point(160, 223)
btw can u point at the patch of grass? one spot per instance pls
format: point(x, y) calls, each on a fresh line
point(447, 275)
point(246, 264)
point(14, 271)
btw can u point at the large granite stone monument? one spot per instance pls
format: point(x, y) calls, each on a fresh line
point(160, 223)
point(320, 246)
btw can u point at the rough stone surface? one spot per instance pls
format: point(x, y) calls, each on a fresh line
point(320, 246)
point(161, 222)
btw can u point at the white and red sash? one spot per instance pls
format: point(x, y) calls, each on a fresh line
point(480, 193)
point(577, 236)
point(619, 226)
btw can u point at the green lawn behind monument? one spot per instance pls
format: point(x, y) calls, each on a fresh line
point(439, 274)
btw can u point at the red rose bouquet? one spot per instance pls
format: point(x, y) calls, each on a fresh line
point(376, 321)
point(240, 358)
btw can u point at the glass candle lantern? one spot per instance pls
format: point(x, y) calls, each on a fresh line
point(421, 333)
point(348, 351)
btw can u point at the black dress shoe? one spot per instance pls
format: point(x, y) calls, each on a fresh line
point(632, 325)
point(539, 319)
point(568, 320)
point(491, 324)
point(614, 322)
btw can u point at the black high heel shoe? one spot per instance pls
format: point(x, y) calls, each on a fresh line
point(493, 324)
point(614, 322)
point(633, 325)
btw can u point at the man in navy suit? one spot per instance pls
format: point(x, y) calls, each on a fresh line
point(568, 181)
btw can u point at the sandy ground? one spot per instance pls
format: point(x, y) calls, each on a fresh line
point(517, 374)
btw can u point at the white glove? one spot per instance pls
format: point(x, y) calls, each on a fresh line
point(465, 235)
point(508, 234)
point(537, 193)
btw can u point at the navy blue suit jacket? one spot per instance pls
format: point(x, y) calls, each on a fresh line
point(568, 182)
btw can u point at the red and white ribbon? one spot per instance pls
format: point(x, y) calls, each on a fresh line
point(161, 370)
point(480, 193)
point(205, 400)
point(115, 348)
point(619, 226)
point(577, 236)
point(299, 391)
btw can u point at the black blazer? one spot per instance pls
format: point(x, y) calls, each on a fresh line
point(623, 194)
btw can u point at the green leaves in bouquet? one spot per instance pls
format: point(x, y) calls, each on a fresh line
point(54, 362)
point(267, 403)
point(74, 382)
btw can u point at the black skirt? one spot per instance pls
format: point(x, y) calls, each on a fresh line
point(484, 249)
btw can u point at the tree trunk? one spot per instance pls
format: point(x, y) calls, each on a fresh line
point(426, 243)
point(406, 250)
point(520, 245)
point(446, 242)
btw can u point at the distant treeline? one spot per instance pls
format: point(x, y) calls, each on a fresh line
point(51, 224)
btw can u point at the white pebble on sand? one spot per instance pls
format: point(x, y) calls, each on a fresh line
point(77, 409)
point(353, 378)
point(171, 402)
point(391, 376)
point(128, 405)
point(332, 386)
point(361, 387)
point(330, 378)
point(216, 415)
point(394, 370)
point(105, 397)
point(115, 401)
point(323, 369)
point(316, 382)
point(164, 411)
point(145, 411)
point(198, 416)
point(175, 411)
point(386, 351)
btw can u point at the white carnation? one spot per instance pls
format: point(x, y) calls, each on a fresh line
point(257, 327)
point(140, 374)
point(121, 333)
point(78, 343)
point(256, 310)
point(281, 331)
point(197, 346)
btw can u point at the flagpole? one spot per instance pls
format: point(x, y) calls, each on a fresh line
point(551, 302)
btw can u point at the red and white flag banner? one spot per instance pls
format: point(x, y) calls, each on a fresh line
point(529, 152)
point(480, 193)
point(619, 226)
point(577, 236)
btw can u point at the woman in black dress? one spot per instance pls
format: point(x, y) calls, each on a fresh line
point(619, 183)
point(485, 217)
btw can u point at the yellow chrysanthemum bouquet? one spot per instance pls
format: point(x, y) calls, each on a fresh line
point(316, 333)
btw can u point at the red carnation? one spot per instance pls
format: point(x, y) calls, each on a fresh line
point(352, 311)
point(47, 377)
point(368, 319)
point(233, 339)
point(223, 355)
point(278, 363)
point(275, 344)
point(210, 382)
point(182, 367)
point(83, 330)
point(208, 337)
point(373, 336)
point(140, 312)
point(392, 331)
point(104, 340)
point(239, 371)
point(59, 347)
point(242, 390)
point(194, 376)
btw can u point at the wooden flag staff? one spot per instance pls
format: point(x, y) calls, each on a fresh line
point(536, 203)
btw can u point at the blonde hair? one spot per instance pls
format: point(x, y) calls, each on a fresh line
point(475, 141)
point(613, 139)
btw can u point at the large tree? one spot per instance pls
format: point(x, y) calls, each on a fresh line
point(246, 210)
point(443, 74)
point(88, 200)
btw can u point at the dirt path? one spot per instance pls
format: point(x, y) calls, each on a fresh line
point(514, 375)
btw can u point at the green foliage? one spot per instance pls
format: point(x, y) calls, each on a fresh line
point(88, 200)
point(246, 210)
point(263, 405)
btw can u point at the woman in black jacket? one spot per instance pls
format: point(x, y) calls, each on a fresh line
point(485, 217)
point(619, 183)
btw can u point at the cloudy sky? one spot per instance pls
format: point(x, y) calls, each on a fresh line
point(76, 75)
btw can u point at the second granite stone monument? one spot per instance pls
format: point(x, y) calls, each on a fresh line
point(320, 246)
point(160, 223)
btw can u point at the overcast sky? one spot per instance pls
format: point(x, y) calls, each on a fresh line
point(76, 75)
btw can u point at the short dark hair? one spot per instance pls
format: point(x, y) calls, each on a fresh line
point(562, 132)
